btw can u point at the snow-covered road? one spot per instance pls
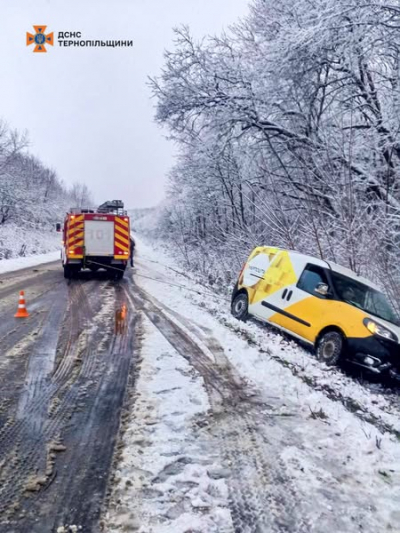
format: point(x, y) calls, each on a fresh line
point(225, 427)
point(235, 428)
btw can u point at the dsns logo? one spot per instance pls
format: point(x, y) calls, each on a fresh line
point(40, 39)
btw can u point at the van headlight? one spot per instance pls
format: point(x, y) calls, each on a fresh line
point(378, 329)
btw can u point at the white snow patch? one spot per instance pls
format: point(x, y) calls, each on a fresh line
point(20, 241)
point(18, 263)
point(162, 480)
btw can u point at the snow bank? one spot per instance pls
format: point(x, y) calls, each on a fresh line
point(17, 241)
point(18, 263)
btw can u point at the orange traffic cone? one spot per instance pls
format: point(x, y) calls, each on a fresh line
point(22, 312)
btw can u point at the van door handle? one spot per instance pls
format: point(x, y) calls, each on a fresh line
point(289, 296)
point(284, 294)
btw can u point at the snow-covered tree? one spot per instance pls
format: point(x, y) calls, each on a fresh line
point(32, 198)
point(289, 133)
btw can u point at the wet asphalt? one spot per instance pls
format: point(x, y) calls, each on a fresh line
point(65, 372)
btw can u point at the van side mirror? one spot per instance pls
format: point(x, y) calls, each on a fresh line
point(322, 289)
point(58, 227)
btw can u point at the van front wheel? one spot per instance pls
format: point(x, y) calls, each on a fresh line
point(329, 347)
point(240, 306)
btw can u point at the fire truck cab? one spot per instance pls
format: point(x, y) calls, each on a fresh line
point(96, 239)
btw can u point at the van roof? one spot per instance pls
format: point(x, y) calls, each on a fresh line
point(351, 274)
point(335, 267)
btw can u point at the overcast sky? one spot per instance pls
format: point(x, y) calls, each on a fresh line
point(88, 111)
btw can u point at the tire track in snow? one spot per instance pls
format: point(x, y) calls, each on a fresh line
point(87, 377)
point(262, 497)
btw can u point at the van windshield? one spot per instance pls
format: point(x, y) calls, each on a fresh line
point(364, 297)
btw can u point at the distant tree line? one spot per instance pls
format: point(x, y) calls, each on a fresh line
point(289, 134)
point(31, 195)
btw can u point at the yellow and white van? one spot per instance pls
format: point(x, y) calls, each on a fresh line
point(343, 315)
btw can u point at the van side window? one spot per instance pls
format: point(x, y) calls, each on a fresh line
point(312, 275)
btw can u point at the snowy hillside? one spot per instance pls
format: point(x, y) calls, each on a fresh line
point(146, 221)
point(32, 199)
point(20, 242)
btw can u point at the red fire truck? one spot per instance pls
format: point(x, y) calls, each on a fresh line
point(96, 238)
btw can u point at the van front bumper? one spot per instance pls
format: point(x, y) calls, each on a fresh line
point(379, 356)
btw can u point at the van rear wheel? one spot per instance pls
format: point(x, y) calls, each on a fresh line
point(329, 347)
point(240, 306)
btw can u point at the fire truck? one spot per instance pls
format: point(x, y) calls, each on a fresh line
point(96, 239)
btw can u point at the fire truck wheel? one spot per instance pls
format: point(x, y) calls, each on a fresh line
point(119, 275)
